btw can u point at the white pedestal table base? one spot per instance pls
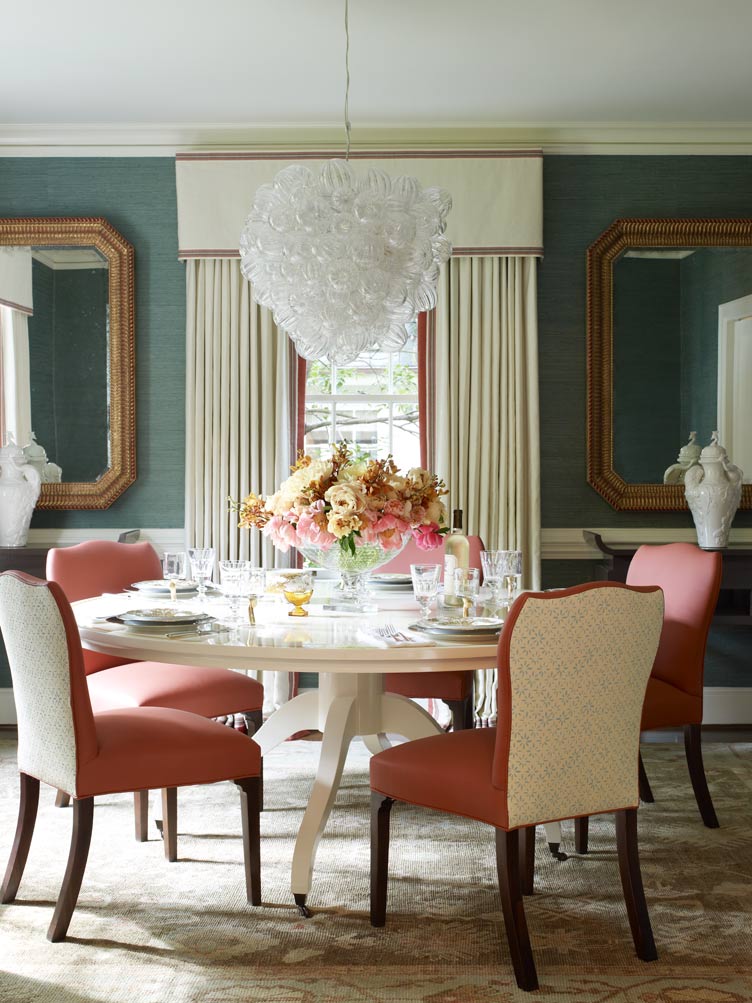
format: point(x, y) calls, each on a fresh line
point(345, 706)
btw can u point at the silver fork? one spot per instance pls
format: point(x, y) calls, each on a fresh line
point(389, 630)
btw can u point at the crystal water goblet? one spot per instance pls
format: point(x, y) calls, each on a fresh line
point(202, 566)
point(425, 585)
point(494, 564)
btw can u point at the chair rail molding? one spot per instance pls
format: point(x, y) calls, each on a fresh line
point(568, 544)
point(160, 538)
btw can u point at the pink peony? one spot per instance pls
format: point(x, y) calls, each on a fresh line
point(282, 531)
point(427, 537)
point(310, 530)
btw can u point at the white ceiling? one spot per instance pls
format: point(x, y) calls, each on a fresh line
point(413, 62)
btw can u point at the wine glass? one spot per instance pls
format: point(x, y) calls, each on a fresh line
point(173, 568)
point(231, 577)
point(425, 584)
point(298, 590)
point(202, 565)
point(466, 586)
point(512, 573)
point(254, 588)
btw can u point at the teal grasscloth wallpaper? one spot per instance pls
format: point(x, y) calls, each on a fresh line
point(137, 196)
point(582, 196)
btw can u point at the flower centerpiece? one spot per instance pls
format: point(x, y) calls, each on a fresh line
point(349, 514)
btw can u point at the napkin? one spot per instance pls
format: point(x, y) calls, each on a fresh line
point(393, 642)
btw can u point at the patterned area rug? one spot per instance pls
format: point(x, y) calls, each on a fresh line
point(146, 931)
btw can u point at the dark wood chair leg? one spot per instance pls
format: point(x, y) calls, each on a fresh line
point(581, 826)
point(646, 793)
point(83, 817)
point(513, 907)
point(27, 816)
point(62, 800)
point(631, 883)
point(170, 822)
point(693, 749)
point(463, 715)
point(253, 721)
point(381, 808)
point(250, 793)
point(141, 815)
point(527, 859)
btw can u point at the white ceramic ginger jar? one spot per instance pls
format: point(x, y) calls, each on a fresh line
point(713, 488)
point(688, 456)
point(19, 489)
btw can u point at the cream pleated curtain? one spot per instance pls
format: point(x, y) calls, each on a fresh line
point(239, 418)
point(485, 441)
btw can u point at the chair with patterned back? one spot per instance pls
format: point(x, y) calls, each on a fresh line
point(63, 743)
point(573, 668)
point(454, 688)
point(97, 566)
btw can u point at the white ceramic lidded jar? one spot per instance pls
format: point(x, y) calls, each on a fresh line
point(713, 488)
point(19, 489)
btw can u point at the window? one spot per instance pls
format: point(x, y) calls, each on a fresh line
point(373, 403)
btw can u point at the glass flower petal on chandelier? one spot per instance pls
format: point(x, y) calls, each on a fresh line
point(344, 262)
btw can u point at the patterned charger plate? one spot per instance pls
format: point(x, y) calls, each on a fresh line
point(162, 615)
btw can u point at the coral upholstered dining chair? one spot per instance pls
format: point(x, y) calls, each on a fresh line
point(89, 569)
point(62, 742)
point(573, 667)
point(454, 688)
point(691, 580)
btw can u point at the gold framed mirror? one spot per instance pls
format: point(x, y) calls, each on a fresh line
point(658, 291)
point(72, 376)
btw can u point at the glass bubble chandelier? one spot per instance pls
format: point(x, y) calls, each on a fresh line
point(343, 261)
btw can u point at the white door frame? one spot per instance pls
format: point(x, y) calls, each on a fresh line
point(728, 314)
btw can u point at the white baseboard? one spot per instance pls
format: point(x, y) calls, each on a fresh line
point(722, 705)
point(727, 705)
point(161, 539)
point(7, 706)
point(568, 544)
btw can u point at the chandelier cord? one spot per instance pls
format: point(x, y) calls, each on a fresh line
point(347, 78)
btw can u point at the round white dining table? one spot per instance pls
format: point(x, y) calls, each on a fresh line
point(345, 651)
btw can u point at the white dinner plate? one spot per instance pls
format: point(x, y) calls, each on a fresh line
point(479, 628)
point(389, 578)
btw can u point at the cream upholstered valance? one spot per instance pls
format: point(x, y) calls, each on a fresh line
point(497, 195)
point(15, 279)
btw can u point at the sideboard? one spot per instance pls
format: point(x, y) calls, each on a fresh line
point(734, 608)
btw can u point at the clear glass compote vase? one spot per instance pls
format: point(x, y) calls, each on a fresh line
point(353, 570)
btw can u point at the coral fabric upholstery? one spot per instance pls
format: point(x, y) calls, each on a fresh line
point(573, 667)
point(146, 748)
point(63, 743)
point(451, 773)
point(97, 566)
point(691, 580)
point(438, 685)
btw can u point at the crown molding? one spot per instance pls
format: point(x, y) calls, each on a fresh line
point(165, 139)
